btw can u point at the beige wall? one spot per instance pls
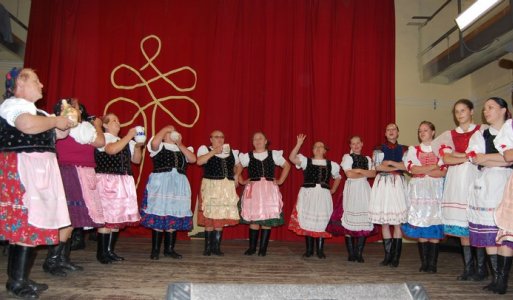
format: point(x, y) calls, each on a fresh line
point(416, 101)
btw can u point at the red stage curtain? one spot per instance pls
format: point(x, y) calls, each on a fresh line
point(324, 68)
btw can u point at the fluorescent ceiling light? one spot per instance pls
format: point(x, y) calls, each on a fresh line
point(474, 12)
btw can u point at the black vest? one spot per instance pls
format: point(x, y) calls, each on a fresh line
point(360, 162)
point(314, 174)
point(13, 140)
point(219, 168)
point(488, 137)
point(113, 164)
point(258, 169)
point(166, 160)
point(489, 145)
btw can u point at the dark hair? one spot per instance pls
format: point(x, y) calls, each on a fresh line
point(429, 124)
point(323, 144)
point(465, 102)
point(397, 127)
point(265, 136)
point(353, 137)
point(503, 104)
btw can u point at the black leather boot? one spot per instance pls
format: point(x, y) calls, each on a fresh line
point(360, 244)
point(113, 238)
point(52, 261)
point(208, 243)
point(216, 244)
point(253, 239)
point(482, 267)
point(493, 264)
point(387, 246)
point(424, 255)
point(64, 261)
point(169, 245)
point(309, 246)
point(468, 263)
point(78, 239)
point(320, 247)
point(18, 283)
point(503, 268)
point(264, 242)
point(396, 252)
point(102, 241)
point(37, 287)
point(156, 241)
point(350, 248)
point(433, 257)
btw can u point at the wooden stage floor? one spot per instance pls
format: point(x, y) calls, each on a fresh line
point(141, 278)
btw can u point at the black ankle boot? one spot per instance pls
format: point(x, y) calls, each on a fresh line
point(350, 248)
point(320, 247)
point(360, 244)
point(156, 241)
point(309, 246)
point(424, 255)
point(387, 246)
point(433, 257)
point(64, 261)
point(77, 239)
point(169, 245)
point(503, 268)
point(52, 261)
point(396, 252)
point(468, 261)
point(208, 243)
point(102, 241)
point(253, 239)
point(216, 242)
point(18, 283)
point(481, 266)
point(493, 264)
point(113, 238)
point(264, 241)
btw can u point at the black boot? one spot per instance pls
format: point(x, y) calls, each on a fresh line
point(424, 255)
point(320, 247)
point(493, 264)
point(433, 257)
point(52, 261)
point(216, 244)
point(503, 268)
point(208, 243)
point(78, 239)
point(350, 248)
point(156, 241)
point(482, 268)
point(102, 241)
point(253, 239)
point(37, 287)
point(309, 246)
point(360, 244)
point(468, 262)
point(264, 241)
point(169, 245)
point(113, 238)
point(396, 252)
point(387, 246)
point(18, 283)
point(64, 261)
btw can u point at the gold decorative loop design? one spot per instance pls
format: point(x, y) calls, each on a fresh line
point(155, 102)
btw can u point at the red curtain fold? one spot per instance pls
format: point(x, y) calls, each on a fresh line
point(324, 68)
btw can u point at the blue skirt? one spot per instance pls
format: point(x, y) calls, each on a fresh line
point(431, 232)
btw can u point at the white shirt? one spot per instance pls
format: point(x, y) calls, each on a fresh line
point(276, 154)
